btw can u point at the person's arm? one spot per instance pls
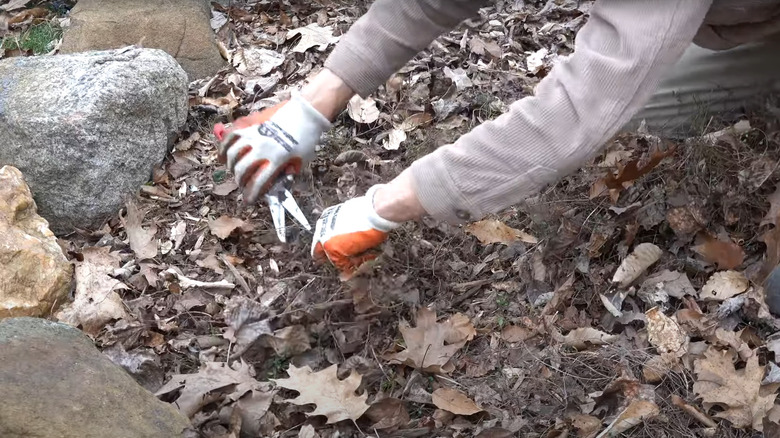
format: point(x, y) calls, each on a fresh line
point(619, 58)
point(378, 45)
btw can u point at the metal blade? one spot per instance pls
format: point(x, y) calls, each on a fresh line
point(290, 205)
point(277, 214)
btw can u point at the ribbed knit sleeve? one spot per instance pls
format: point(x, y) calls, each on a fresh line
point(619, 58)
point(389, 35)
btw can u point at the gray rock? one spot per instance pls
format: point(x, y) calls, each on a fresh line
point(87, 129)
point(55, 383)
point(180, 27)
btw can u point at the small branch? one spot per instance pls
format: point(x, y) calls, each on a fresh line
point(187, 283)
point(701, 417)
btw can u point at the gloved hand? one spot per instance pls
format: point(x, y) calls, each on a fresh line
point(262, 145)
point(346, 233)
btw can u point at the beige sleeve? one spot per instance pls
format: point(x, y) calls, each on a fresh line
point(620, 55)
point(390, 34)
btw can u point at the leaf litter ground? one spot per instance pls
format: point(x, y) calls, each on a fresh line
point(547, 320)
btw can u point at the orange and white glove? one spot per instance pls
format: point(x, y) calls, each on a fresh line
point(347, 233)
point(261, 146)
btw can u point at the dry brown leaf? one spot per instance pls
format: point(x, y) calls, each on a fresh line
point(490, 231)
point(312, 35)
point(724, 285)
point(514, 333)
point(217, 381)
point(95, 302)
point(28, 14)
point(363, 110)
point(480, 47)
point(683, 221)
point(308, 431)
point(586, 425)
point(388, 413)
point(289, 341)
point(224, 226)
point(431, 345)
point(452, 400)
point(737, 392)
point(225, 188)
point(256, 61)
point(415, 121)
point(334, 398)
point(613, 184)
point(394, 139)
point(673, 283)
point(246, 322)
point(584, 337)
point(635, 414)
point(643, 256)
point(14, 5)
point(142, 240)
point(657, 367)
point(726, 255)
point(665, 334)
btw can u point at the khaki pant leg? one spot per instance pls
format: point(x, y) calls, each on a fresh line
point(706, 83)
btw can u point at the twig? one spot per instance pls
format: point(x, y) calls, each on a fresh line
point(239, 278)
point(693, 412)
point(187, 283)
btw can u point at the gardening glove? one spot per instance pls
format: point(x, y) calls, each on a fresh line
point(263, 145)
point(346, 233)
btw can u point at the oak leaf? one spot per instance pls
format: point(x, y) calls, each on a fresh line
point(388, 413)
point(452, 400)
point(726, 255)
point(224, 226)
point(334, 398)
point(613, 184)
point(312, 35)
point(142, 240)
point(95, 302)
point(494, 231)
point(736, 392)
point(217, 381)
point(430, 345)
point(584, 337)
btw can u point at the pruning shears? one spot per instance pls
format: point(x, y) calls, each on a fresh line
point(280, 199)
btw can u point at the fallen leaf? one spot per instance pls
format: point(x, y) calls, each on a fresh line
point(178, 231)
point(534, 61)
point(736, 392)
point(394, 139)
point(216, 381)
point(334, 398)
point(635, 414)
point(513, 333)
point(724, 285)
point(95, 302)
point(28, 14)
point(459, 77)
point(288, 341)
point(211, 262)
point(312, 35)
point(14, 5)
point(673, 283)
point(431, 345)
point(452, 400)
point(643, 256)
point(307, 431)
point(665, 334)
point(415, 121)
point(142, 240)
point(657, 367)
point(613, 184)
point(363, 110)
point(224, 226)
point(584, 337)
point(480, 47)
point(490, 231)
point(256, 61)
point(225, 188)
point(586, 425)
point(682, 221)
point(388, 413)
point(187, 143)
point(726, 255)
point(773, 214)
point(246, 322)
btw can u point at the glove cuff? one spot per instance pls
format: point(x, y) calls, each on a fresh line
point(376, 221)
